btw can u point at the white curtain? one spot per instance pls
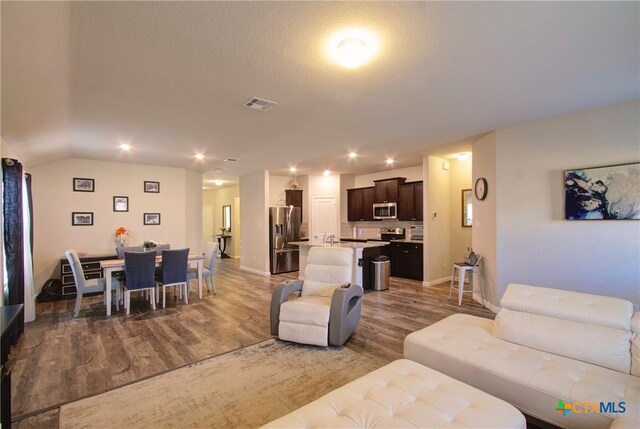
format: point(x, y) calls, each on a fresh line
point(29, 294)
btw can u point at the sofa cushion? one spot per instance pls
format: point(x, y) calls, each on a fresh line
point(314, 288)
point(566, 338)
point(635, 344)
point(463, 347)
point(329, 265)
point(563, 304)
point(404, 394)
point(307, 310)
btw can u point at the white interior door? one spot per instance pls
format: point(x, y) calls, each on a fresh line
point(323, 217)
point(207, 224)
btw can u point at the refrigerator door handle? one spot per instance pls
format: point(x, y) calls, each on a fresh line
point(286, 250)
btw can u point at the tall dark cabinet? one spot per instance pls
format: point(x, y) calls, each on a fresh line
point(293, 197)
point(410, 204)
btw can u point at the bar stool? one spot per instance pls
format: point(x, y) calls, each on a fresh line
point(462, 271)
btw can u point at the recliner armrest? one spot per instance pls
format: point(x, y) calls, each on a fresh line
point(344, 315)
point(279, 295)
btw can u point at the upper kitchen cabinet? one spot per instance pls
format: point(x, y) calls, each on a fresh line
point(410, 201)
point(386, 190)
point(360, 204)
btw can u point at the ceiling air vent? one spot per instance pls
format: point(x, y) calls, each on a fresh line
point(231, 160)
point(260, 104)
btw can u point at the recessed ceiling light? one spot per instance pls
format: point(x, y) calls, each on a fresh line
point(218, 182)
point(199, 156)
point(326, 172)
point(293, 169)
point(389, 161)
point(125, 147)
point(352, 155)
point(463, 156)
point(353, 47)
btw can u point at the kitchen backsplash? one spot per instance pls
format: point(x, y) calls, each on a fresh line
point(372, 229)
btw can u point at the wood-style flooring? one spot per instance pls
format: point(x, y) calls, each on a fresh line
point(60, 359)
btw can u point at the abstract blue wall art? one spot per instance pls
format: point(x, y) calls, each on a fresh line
point(603, 193)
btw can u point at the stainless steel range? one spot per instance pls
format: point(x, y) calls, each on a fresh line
point(388, 234)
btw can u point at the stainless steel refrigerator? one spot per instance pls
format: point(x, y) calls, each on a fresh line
point(284, 227)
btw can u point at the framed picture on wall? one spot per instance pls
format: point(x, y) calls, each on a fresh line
point(152, 187)
point(603, 193)
point(120, 204)
point(82, 218)
point(81, 184)
point(152, 218)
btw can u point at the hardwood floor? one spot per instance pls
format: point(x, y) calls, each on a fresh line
point(60, 359)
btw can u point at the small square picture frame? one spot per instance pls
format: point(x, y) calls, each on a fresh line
point(151, 219)
point(83, 184)
point(120, 203)
point(82, 219)
point(151, 187)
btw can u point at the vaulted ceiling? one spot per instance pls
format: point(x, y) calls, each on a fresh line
point(171, 78)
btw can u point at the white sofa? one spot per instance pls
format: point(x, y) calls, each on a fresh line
point(403, 394)
point(545, 346)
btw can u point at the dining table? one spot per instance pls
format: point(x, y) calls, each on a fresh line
point(111, 266)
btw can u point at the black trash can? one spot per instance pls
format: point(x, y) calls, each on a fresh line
point(381, 267)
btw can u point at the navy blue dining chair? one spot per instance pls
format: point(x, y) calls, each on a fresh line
point(140, 268)
point(174, 273)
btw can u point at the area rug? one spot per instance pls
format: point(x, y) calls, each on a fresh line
point(246, 388)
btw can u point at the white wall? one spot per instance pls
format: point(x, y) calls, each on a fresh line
point(254, 217)
point(460, 238)
point(534, 244)
point(277, 186)
point(193, 211)
point(437, 260)
point(411, 173)
point(54, 200)
point(484, 228)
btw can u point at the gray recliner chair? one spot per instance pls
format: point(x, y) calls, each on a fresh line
point(328, 308)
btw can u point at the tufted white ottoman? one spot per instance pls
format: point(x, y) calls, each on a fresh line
point(404, 394)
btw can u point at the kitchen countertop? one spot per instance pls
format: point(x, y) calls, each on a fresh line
point(407, 240)
point(373, 240)
point(343, 244)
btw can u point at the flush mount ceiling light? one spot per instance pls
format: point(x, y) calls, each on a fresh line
point(218, 182)
point(126, 147)
point(199, 156)
point(326, 173)
point(463, 156)
point(352, 155)
point(389, 161)
point(353, 47)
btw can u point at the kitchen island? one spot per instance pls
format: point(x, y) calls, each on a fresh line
point(360, 250)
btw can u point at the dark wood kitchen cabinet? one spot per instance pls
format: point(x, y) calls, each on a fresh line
point(410, 201)
point(293, 197)
point(359, 204)
point(386, 190)
point(407, 260)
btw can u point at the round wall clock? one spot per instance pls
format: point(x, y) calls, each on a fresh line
point(480, 188)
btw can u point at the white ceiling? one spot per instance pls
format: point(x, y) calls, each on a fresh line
point(171, 78)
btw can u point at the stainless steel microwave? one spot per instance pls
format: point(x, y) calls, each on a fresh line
point(385, 211)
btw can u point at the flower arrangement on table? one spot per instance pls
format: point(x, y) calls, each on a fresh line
point(149, 245)
point(121, 236)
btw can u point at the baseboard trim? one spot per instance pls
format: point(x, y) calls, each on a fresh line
point(436, 281)
point(477, 298)
point(254, 271)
